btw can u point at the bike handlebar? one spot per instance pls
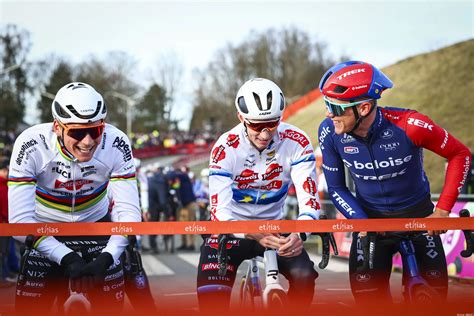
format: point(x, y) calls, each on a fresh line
point(222, 254)
point(368, 243)
point(468, 235)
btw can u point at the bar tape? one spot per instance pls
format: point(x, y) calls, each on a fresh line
point(256, 226)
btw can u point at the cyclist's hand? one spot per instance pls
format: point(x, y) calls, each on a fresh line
point(93, 273)
point(146, 216)
point(292, 246)
point(438, 213)
point(267, 240)
point(73, 265)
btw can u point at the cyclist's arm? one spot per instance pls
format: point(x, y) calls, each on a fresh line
point(220, 194)
point(124, 192)
point(425, 133)
point(24, 166)
point(334, 173)
point(303, 175)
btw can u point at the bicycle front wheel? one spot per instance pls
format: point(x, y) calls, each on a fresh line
point(277, 300)
point(423, 294)
point(246, 295)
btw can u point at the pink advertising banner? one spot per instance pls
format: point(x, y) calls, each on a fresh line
point(453, 244)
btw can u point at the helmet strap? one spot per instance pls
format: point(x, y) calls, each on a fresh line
point(61, 142)
point(359, 118)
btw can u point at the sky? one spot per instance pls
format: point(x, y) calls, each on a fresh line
point(379, 32)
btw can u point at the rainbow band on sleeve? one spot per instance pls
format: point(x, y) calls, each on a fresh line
point(129, 176)
point(21, 181)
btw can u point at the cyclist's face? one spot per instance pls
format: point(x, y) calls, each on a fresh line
point(262, 139)
point(342, 123)
point(80, 142)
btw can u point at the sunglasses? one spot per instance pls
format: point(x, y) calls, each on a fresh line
point(79, 131)
point(260, 126)
point(337, 109)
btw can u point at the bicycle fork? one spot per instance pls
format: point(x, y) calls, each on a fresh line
point(272, 278)
point(411, 273)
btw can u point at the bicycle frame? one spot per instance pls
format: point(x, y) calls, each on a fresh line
point(411, 272)
point(252, 288)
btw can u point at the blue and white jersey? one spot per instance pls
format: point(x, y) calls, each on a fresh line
point(246, 184)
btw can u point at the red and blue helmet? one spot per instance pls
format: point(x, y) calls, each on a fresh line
point(354, 79)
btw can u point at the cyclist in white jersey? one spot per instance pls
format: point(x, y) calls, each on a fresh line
point(251, 169)
point(61, 172)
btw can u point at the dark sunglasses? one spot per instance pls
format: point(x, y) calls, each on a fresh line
point(79, 131)
point(260, 126)
point(337, 109)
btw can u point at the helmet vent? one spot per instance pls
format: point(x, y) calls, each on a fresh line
point(269, 100)
point(242, 105)
point(282, 102)
point(104, 109)
point(257, 101)
point(60, 111)
point(339, 89)
point(85, 117)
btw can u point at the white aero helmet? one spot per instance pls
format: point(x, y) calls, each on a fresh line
point(260, 99)
point(78, 102)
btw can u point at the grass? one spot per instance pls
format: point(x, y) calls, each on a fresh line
point(439, 84)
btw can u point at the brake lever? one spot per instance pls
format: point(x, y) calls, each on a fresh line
point(222, 254)
point(466, 253)
point(368, 251)
point(29, 241)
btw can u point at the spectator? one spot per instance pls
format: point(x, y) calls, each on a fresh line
point(4, 240)
point(158, 202)
point(188, 210)
point(201, 191)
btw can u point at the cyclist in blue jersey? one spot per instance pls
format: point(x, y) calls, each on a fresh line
point(382, 148)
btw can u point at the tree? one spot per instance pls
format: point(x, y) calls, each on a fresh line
point(14, 85)
point(151, 111)
point(288, 56)
point(61, 75)
point(112, 74)
point(168, 74)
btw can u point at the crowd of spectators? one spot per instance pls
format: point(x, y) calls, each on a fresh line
point(170, 139)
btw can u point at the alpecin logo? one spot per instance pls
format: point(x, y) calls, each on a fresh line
point(195, 228)
point(47, 229)
point(121, 229)
point(342, 226)
point(415, 224)
point(267, 227)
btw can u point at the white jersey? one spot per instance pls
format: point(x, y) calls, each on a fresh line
point(46, 184)
point(245, 184)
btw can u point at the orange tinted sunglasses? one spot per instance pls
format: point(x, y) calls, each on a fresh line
point(79, 131)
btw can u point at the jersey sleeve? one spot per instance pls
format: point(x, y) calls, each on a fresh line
point(333, 169)
point(124, 193)
point(425, 133)
point(25, 164)
point(220, 182)
point(303, 175)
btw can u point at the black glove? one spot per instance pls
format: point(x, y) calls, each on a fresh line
point(94, 272)
point(73, 265)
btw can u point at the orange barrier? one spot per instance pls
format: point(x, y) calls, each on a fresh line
point(173, 228)
point(301, 103)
